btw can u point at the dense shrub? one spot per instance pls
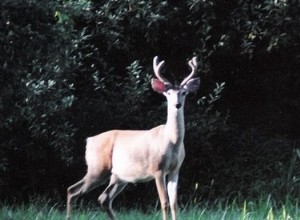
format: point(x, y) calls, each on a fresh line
point(72, 69)
point(37, 87)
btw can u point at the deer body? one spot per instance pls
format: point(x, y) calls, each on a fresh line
point(132, 156)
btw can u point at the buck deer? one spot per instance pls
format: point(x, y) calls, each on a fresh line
point(131, 156)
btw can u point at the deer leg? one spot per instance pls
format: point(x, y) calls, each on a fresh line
point(73, 193)
point(172, 192)
point(85, 185)
point(106, 198)
point(160, 181)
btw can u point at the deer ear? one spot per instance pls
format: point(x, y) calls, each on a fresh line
point(158, 86)
point(192, 85)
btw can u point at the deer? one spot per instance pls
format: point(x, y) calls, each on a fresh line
point(132, 156)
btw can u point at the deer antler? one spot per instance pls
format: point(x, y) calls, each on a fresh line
point(193, 65)
point(156, 67)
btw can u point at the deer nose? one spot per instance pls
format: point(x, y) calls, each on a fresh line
point(178, 105)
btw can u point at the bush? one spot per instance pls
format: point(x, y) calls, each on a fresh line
point(37, 87)
point(73, 69)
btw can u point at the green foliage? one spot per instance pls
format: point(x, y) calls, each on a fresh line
point(36, 80)
point(37, 87)
point(71, 69)
point(268, 23)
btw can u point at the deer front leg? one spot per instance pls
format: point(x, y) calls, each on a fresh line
point(160, 181)
point(172, 192)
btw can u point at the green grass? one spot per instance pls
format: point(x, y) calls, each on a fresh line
point(263, 209)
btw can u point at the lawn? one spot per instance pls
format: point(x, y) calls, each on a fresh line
point(248, 210)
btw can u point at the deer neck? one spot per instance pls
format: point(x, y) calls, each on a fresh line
point(175, 124)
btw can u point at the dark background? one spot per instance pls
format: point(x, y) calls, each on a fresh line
point(73, 69)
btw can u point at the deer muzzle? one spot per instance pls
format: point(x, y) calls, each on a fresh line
point(178, 105)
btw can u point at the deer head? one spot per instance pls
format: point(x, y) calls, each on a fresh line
point(175, 94)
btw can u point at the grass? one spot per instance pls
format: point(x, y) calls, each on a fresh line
point(263, 209)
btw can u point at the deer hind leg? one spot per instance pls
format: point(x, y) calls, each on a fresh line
point(112, 190)
point(88, 183)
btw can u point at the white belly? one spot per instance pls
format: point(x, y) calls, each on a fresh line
point(130, 166)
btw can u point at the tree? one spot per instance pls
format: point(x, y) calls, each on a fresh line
point(37, 88)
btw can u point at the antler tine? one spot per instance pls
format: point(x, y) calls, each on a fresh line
point(193, 64)
point(156, 67)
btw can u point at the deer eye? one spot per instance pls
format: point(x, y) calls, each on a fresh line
point(183, 93)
